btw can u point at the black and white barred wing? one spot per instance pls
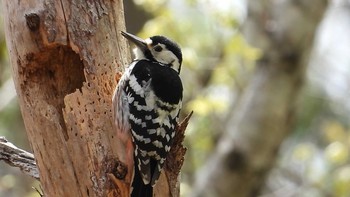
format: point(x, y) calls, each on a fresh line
point(152, 116)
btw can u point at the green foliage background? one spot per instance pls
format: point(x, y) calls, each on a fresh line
point(218, 64)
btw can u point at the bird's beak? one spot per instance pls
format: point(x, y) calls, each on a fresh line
point(140, 43)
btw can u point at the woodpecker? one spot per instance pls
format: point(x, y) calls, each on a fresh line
point(147, 102)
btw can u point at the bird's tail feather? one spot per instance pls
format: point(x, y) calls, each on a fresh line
point(139, 189)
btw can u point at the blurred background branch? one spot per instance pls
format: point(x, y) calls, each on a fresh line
point(265, 112)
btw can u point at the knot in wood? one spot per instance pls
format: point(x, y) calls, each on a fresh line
point(33, 21)
point(120, 170)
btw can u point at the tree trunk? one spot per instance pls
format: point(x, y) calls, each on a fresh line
point(64, 55)
point(264, 116)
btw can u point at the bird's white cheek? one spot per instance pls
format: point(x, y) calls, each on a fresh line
point(165, 57)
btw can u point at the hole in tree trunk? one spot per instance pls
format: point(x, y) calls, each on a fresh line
point(52, 74)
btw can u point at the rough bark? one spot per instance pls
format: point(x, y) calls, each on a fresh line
point(64, 55)
point(284, 31)
point(19, 158)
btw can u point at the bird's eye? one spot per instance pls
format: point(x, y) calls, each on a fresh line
point(158, 48)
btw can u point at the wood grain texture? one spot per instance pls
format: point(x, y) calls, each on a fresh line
point(19, 158)
point(65, 56)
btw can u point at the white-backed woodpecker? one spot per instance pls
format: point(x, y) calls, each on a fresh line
point(147, 102)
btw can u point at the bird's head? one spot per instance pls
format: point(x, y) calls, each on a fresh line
point(157, 48)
